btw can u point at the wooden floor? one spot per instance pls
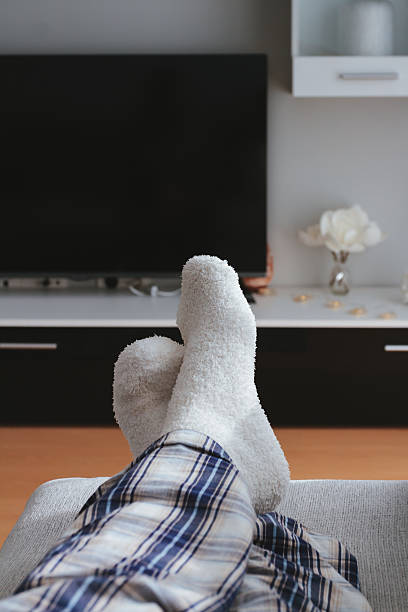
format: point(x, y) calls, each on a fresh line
point(30, 456)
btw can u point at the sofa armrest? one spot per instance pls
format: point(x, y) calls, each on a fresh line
point(48, 513)
point(370, 517)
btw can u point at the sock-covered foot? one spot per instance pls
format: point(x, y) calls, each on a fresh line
point(144, 377)
point(215, 391)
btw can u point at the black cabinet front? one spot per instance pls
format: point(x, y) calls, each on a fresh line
point(62, 375)
point(332, 376)
point(304, 376)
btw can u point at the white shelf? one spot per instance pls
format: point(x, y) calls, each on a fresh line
point(317, 65)
point(101, 308)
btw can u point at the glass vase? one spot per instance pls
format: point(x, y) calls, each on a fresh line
point(340, 275)
point(366, 27)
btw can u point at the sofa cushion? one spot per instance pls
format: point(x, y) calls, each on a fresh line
point(369, 517)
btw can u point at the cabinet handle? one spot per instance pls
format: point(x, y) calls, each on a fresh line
point(396, 348)
point(28, 346)
point(369, 76)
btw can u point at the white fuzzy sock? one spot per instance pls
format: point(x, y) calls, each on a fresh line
point(144, 377)
point(215, 391)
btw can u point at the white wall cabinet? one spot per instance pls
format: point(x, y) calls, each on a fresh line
point(319, 70)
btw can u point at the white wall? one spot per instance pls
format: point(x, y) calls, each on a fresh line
point(322, 153)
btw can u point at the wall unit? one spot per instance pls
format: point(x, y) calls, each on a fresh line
point(318, 69)
point(314, 366)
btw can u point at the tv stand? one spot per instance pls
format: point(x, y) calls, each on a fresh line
point(314, 366)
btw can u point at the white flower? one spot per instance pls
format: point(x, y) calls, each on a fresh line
point(349, 229)
point(311, 236)
point(373, 235)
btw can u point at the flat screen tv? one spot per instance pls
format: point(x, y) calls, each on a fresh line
point(127, 165)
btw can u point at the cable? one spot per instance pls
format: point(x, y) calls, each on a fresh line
point(136, 291)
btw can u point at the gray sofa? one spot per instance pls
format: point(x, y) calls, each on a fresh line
point(369, 516)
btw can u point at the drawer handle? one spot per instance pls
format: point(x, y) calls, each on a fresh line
point(369, 76)
point(396, 348)
point(28, 346)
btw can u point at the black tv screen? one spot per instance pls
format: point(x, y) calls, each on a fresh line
point(127, 165)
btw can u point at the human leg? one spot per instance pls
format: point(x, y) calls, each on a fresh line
point(215, 391)
point(144, 376)
point(171, 531)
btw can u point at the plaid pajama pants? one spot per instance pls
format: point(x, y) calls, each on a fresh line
point(176, 531)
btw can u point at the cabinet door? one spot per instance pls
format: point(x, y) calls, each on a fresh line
point(350, 77)
point(332, 376)
point(303, 376)
point(62, 376)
